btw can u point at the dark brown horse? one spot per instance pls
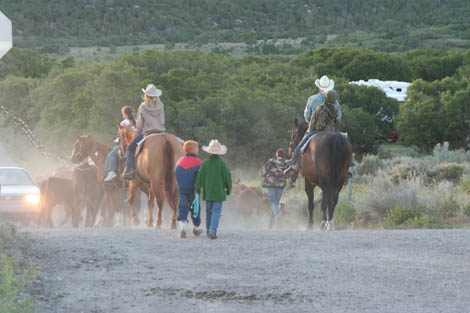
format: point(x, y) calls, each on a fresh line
point(88, 188)
point(325, 163)
point(86, 147)
point(155, 166)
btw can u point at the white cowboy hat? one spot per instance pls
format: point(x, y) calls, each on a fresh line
point(325, 84)
point(215, 147)
point(152, 91)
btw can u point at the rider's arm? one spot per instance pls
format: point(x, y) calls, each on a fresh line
point(312, 104)
point(307, 111)
point(139, 122)
point(338, 108)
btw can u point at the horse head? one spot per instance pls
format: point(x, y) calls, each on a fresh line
point(81, 149)
point(125, 134)
point(297, 133)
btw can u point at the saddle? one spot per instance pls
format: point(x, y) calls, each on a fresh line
point(304, 147)
point(140, 144)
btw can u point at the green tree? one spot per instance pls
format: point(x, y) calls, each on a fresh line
point(361, 129)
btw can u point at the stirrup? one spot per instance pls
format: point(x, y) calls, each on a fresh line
point(129, 175)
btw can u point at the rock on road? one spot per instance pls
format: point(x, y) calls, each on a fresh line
point(147, 270)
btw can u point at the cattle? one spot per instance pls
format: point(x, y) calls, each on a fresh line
point(249, 200)
point(55, 191)
point(82, 189)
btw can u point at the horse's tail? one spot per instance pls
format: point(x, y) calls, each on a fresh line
point(341, 157)
point(168, 174)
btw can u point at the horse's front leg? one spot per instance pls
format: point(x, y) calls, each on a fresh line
point(331, 209)
point(100, 220)
point(130, 199)
point(309, 188)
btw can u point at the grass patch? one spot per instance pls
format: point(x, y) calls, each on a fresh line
point(13, 287)
point(15, 272)
point(399, 149)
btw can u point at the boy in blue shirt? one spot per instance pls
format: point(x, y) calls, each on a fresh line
point(186, 172)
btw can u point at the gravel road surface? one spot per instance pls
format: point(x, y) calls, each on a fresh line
point(147, 270)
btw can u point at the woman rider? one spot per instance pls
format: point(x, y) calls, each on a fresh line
point(150, 119)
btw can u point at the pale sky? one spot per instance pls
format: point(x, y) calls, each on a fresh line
point(5, 34)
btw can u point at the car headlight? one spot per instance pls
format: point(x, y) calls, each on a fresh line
point(33, 199)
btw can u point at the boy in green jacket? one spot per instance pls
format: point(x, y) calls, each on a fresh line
point(215, 180)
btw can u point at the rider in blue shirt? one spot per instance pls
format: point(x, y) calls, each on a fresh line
point(324, 85)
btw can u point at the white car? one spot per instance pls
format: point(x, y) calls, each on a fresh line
point(19, 195)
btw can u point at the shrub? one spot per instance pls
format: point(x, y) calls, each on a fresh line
point(345, 213)
point(466, 211)
point(370, 165)
point(409, 217)
point(441, 154)
point(411, 169)
point(465, 185)
point(449, 209)
point(400, 215)
point(383, 195)
point(447, 171)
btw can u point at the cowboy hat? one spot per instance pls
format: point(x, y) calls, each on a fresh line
point(325, 84)
point(215, 147)
point(152, 91)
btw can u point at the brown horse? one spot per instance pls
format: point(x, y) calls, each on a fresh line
point(325, 163)
point(155, 166)
point(86, 147)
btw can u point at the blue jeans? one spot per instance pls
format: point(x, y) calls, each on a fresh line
point(112, 160)
point(130, 158)
point(275, 195)
point(213, 213)
point(184, 204)
point(304, 140)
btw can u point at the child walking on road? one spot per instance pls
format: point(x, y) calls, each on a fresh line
point(186, 172)
point(215, 180)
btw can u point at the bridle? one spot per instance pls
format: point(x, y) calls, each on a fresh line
point(294, 140)
point(78, 154)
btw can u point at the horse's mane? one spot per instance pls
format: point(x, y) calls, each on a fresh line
point(302, 128)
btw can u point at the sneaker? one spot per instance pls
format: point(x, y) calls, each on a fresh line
point(211, 235)
point(197, 231)
point(111, 175)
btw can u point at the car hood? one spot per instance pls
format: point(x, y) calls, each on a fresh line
point(18, 190)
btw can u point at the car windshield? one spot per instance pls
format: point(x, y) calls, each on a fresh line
point(14, 177)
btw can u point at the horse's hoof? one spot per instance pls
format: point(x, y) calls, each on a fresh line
point(309, 227)
point(99, 222)
point(323, 225)
point(329, 225)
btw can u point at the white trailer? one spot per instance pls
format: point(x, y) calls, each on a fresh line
point(393, 89)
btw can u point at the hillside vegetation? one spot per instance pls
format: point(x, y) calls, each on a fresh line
point(395, 24)
point(248, 103)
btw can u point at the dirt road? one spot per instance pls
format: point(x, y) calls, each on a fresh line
point(147, 270)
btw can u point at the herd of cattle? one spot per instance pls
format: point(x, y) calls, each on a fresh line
point(78, 193)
